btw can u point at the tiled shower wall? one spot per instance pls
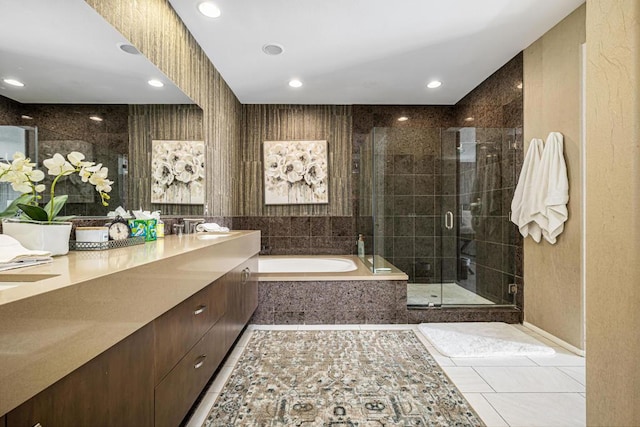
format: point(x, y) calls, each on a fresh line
point(417, 190)
point(496, 110)
point(410, 185)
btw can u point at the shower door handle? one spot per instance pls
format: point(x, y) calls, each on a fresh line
point(448, 220)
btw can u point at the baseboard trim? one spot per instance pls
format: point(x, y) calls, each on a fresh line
point(555, 339)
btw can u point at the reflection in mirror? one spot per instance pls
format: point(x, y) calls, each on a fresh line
point(66, 128)
point(68, 79)
point(14, 139)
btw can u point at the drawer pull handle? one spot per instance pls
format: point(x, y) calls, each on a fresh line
point(200, 310)
point(246, 274)
point(37, 425)
point(200, 362)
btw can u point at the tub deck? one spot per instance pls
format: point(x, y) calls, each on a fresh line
point(361, 273)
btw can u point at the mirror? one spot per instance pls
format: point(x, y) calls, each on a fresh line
point(67, 79)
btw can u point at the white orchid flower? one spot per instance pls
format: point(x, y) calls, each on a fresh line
point(57, 165)
point(21, 163)
point(35, 175)
point(22, 176)
point(87, 170)
point(75, 158)
point(99, 179)
point(21, 187)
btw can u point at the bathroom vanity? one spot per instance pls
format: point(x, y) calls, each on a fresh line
point(125, 337)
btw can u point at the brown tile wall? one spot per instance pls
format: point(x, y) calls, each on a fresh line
point(302, 235)
point(10, 112)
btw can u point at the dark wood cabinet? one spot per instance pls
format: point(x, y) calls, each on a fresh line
point(154, 376)
point(242, 298)
point(235, 296)
point(177, 392)
point(113, 389)
point(179, 329)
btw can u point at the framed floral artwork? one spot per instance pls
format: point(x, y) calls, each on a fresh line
point(295, 172)
point(177, 172)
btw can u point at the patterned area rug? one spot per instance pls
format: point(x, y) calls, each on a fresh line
point(339, 379)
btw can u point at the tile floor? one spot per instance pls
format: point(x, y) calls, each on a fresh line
point(518, 391)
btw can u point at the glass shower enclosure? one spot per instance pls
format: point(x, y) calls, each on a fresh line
point(435, 203)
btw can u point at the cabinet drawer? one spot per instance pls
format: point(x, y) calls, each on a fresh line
point(179, 329)
point(177, 392)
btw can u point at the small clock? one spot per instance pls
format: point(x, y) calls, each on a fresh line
point(118, 229)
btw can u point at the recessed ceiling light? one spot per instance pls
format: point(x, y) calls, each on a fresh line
point(295, 83)
point(468, 119)
point(272, 49)
point(96, 118)
point(434, 84)
point(24, 116)
point(403, 119)
point(519, 85)
point(155, 83)
point(14, 82)
point(127, 48)
point(209, 9)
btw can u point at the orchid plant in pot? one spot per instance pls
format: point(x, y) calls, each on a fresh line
point(32, 224)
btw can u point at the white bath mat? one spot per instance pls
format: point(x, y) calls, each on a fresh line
point(482, 339)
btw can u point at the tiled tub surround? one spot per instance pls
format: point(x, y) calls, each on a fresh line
point(353, 297)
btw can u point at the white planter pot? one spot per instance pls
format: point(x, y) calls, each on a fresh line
point(43, 236)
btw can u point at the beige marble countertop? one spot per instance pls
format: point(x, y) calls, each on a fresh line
point(94, 299)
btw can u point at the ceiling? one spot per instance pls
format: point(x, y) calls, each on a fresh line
point(366, 51)
point(65, 52)
point(344, 51)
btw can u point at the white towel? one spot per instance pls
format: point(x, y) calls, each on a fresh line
point(551, 189)
point(14, 255)
point(522, 205)
point(211, 227)
point(557, 190)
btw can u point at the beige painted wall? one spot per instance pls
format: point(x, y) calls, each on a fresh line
point(552, 88)
point(613, 212)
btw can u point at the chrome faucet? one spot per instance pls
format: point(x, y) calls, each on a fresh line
point(190, 224)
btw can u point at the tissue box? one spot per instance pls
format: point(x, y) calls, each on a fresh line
point(152, 230)
point(144, 227)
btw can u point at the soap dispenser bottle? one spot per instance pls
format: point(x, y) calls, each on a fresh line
point(360, 244)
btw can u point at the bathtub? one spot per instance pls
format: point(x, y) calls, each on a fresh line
point(305, 265)
point(313, 289)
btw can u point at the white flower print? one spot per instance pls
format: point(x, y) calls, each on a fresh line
point(295, 172)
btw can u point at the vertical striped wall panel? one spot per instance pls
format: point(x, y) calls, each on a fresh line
point(289, 123)
point(157, 31)
point(164, 122)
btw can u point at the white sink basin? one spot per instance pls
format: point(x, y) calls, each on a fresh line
point(210, 236)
